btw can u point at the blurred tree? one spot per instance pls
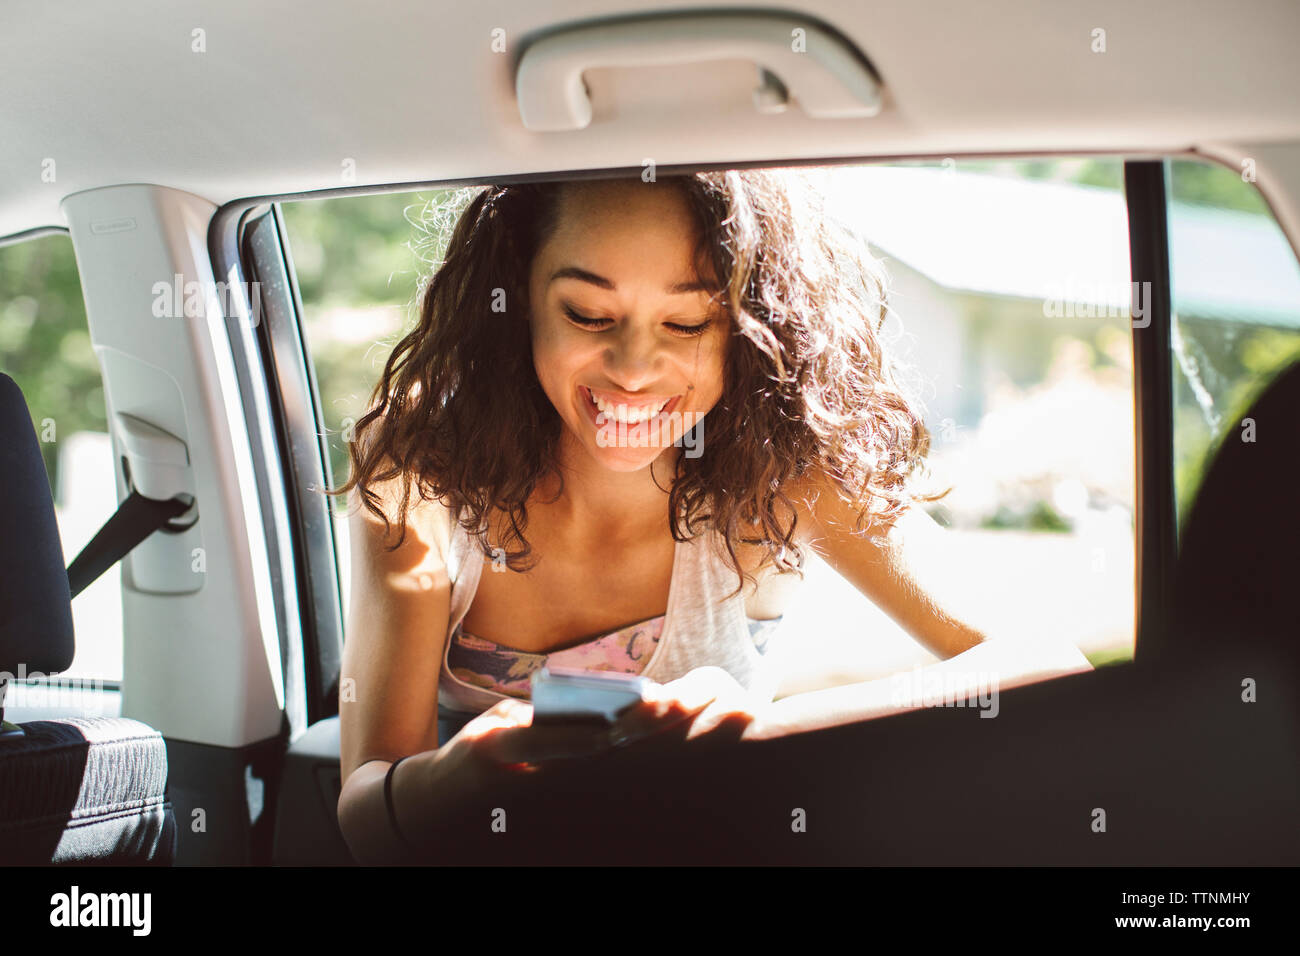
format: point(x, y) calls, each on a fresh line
point(366, 253)
point(1209, 184)
point(45, 343)
point(1191, 181)
point(366, 250)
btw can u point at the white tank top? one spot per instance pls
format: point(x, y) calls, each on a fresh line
point(705, 623)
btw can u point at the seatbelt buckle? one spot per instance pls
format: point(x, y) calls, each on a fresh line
point(157, 465)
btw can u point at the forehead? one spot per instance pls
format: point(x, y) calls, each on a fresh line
point(623, 221)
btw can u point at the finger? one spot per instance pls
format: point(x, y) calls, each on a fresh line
point(720, 726)
point(666, 705)
point(634, 728)
point(710, 681)
point(505, 713)
point(722, 720)
point(512, 746)
point(724, 717)
point(665, 710)
point(695, 689)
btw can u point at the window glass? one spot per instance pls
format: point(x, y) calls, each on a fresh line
point(45, 347)
point(1009, 321)
point(1236, 303)
point(1010, 288)
point(357, 262)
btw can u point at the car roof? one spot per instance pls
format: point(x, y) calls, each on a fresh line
point(284, 95)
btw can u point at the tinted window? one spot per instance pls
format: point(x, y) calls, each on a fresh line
point(1236, 303)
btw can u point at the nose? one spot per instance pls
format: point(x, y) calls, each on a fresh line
point(632, 360)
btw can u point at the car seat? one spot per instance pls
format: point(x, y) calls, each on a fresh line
point(73, 790)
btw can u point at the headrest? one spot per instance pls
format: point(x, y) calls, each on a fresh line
point(1239, 556)
point(35, 606)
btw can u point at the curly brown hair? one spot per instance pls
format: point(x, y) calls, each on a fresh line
point(808, 384)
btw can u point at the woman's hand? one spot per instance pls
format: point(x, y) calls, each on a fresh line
point(706, 704)
point(502, 749)
point(502, 742)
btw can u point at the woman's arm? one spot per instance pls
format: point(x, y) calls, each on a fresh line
point(973, 678)
point(388, 689)
point(910, 574)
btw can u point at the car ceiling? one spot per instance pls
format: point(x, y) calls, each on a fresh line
point(286, 93)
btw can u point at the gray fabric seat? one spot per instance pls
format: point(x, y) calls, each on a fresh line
point(85, 790)
point(80, 790)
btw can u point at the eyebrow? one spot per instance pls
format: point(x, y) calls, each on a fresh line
point(582, 275)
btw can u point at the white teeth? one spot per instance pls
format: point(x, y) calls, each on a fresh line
point(633, 415)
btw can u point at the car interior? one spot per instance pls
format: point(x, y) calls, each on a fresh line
point(190, 174)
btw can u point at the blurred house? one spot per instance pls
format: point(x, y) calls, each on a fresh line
point(1010, 311)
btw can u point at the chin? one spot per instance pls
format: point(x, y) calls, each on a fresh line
point(626, 459)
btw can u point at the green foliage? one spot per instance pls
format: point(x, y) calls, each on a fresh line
point(1191, 181)
point(1104, 172)
point(1110, 655)
point(1209, 184)
point(1040, 516)
point(44, 342)
point(361, 250)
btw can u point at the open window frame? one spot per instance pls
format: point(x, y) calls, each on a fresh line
point(1060, 742)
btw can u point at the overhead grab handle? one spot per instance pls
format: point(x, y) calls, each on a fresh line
point(827, 76)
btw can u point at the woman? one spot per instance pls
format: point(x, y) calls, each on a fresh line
point(636, 405)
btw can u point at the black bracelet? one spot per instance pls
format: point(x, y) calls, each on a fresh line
point(388, 800)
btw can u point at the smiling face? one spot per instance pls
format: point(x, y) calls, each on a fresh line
point(628, 345)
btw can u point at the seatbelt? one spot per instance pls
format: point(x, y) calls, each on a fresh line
point(136, 519)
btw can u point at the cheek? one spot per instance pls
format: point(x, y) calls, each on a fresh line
point(711, 371)
point(557, 359)
point(548, 353)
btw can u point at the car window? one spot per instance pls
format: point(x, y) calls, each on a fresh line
point(45, 347)
point(1236, 311)
point(1010, 325)
point(1010, 314)
point(358, 262)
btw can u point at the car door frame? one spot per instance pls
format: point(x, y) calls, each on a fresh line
point(1116, 700)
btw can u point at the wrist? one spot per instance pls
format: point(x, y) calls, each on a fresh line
point(767, 722)
point(406, 802)
point(389, 808)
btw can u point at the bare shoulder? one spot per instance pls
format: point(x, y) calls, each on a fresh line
point(428, 523)
point(824, 512)
point(768, 590)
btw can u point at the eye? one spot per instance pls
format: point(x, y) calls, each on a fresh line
point(586, 321)
point(689, 330)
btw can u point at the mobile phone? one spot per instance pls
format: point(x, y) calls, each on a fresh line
point(563, 694)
